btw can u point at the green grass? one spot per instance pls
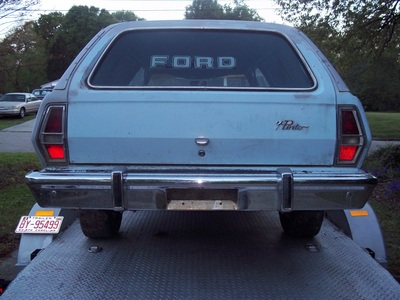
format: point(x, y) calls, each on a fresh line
point(389, 220)
point(15, 201)
point(14, 166)
point(15, 198)
point(385, 200)
point(6, 122)
point(384, 126)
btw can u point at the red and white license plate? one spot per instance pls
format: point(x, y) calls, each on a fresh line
point(39, 224)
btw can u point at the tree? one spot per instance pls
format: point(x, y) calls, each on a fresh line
point(14, 9)
point(241, 11)
point(361, 38)
point(126, 16)
point(375, 23)
point(23, 63)
point(77, 27)
point(204, 9)
point(39, 51)
point(210, 9)
point(47, 26)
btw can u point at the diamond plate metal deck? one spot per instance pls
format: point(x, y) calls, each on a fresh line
point(203, 255)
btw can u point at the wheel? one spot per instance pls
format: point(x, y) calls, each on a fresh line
point(22, 113)
point(100, 224)
point(301, 223)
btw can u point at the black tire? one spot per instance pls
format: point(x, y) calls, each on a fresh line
point(301, 223)
point(100, 224)
point(22, 113)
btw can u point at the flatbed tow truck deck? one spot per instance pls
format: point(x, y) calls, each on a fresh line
point(203, 255)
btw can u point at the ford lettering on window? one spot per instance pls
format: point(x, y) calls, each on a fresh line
point(187, 62)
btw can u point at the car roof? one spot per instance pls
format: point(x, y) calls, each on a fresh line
point(204, 24)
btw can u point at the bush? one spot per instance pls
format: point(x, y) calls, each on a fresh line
point(385, 163)
point(385, 200)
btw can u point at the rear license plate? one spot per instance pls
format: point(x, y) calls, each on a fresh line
point(39, 224)
point(202, 205)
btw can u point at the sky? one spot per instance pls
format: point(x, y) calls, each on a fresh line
point(147, 9)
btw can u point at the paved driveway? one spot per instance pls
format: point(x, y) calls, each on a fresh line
point(18, 139)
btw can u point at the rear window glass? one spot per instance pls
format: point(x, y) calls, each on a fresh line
point(199, 59)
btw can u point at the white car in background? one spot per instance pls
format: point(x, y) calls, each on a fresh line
point(19, 104)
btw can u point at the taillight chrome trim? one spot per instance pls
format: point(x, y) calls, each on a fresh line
point(57, 137)
point(345, 140)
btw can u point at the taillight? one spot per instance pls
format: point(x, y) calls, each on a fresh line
point(347, 153)
point(351, 138)
point(54, 121)
point(55, 151)
point(51, 138)
point(349, 122)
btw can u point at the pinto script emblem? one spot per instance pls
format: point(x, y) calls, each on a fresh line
point(289, 125)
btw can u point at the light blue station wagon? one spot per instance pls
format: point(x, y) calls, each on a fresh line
point(201, 115)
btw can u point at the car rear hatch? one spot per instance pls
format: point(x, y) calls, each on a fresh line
point(201, 128)
point(201, 97)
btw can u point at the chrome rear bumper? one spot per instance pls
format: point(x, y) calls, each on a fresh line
point(282, 189)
